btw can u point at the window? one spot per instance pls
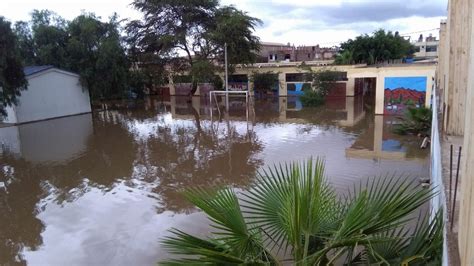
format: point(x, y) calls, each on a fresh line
point(309, 55)
point(431, 48)
point(417, 49)
point(294, 77)
point(287, 56)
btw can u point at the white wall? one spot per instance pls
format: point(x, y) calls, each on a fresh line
point(11, 115)
point(10, 140)
point(52, 93)
point(56, 140)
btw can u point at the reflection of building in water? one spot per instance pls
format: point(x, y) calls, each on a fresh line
point(378, 142)
point(346, 112)
point(55, 140)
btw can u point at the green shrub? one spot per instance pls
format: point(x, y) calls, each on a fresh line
point(311, 98)
point(416, 121)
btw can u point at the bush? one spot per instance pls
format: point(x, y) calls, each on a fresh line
point(416, 121)
point(311, 98)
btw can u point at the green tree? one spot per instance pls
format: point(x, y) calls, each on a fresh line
point(85, 45)
point(50, 38)
point(378, 47)
point(197, 29)
point(12, 78)
point(264, 81)
point(25, 42)
point(96, 53)
point(321, 82)
point(292, 211)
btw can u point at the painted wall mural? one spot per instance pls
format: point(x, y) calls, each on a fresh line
point(404, 92)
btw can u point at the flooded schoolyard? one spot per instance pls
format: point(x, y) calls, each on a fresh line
point(103, 188)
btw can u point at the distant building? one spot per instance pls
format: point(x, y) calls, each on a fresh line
point(51, 93)
point(426, 48)
point(277, 52)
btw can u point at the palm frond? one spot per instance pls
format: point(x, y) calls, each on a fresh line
point(202, 251)
point(223, 209)
point(379, 206)
point(292, 203)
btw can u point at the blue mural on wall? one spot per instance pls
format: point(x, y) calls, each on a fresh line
point(295, 88)
point(403, 92)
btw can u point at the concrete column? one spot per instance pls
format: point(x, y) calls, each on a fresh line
point(282, 90)
point(196, 103)
point(379, 94)
point(350, 110)
point(173, 106)
point(459, 37)
point(250, 84)
point(466, 219)
point(283, 105)
point(378, 134)
point(171, 85)
point(350, 87)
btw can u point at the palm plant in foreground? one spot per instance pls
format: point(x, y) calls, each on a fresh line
point(292, 215)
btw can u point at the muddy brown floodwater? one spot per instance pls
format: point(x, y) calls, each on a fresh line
point(103, 188)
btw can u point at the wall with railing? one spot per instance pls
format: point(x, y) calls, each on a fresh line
point(439, 201)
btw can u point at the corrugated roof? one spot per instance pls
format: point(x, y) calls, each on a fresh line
point(30, 70)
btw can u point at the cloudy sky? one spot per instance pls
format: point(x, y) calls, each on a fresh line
point(300, 22)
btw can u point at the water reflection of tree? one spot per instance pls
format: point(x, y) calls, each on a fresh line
point(109, 156)
point(19, 227)
point(175, 156)
point(197, 154)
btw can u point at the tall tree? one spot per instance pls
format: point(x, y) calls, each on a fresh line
point(12, 78)
point(96, 53)
point(50, 37)
point(85, 45)
point(25, 42)
point(194, 31)
point(378, 47)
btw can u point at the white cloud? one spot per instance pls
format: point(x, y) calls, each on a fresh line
point(302, 22)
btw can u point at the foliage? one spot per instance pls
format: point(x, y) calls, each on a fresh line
point(321, 82)
point(12, 78)
point(378, 47)
point(293, 211)
point(198, 29)
point(416, 121)
point(264, 81)
point(312, 98)
point(84, 45)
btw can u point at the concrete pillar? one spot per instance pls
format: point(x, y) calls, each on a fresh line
point(171, 85)
point(283, 105)
point(466, 219)
point(459, 23)
point(350, 110)
point(378, 134)
point(282, 89)
point(173, 106)
point(196, 103)
point(379, 94)
point(350, 87)
point(250, 85)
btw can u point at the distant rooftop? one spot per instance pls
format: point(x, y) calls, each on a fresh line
point(30, 70)
point(274, 43)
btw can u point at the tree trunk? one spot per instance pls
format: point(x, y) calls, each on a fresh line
point(194, 87)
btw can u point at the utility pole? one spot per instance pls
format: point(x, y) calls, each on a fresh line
point(226, 79)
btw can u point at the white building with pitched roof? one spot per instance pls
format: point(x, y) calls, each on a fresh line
point(51, 93)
